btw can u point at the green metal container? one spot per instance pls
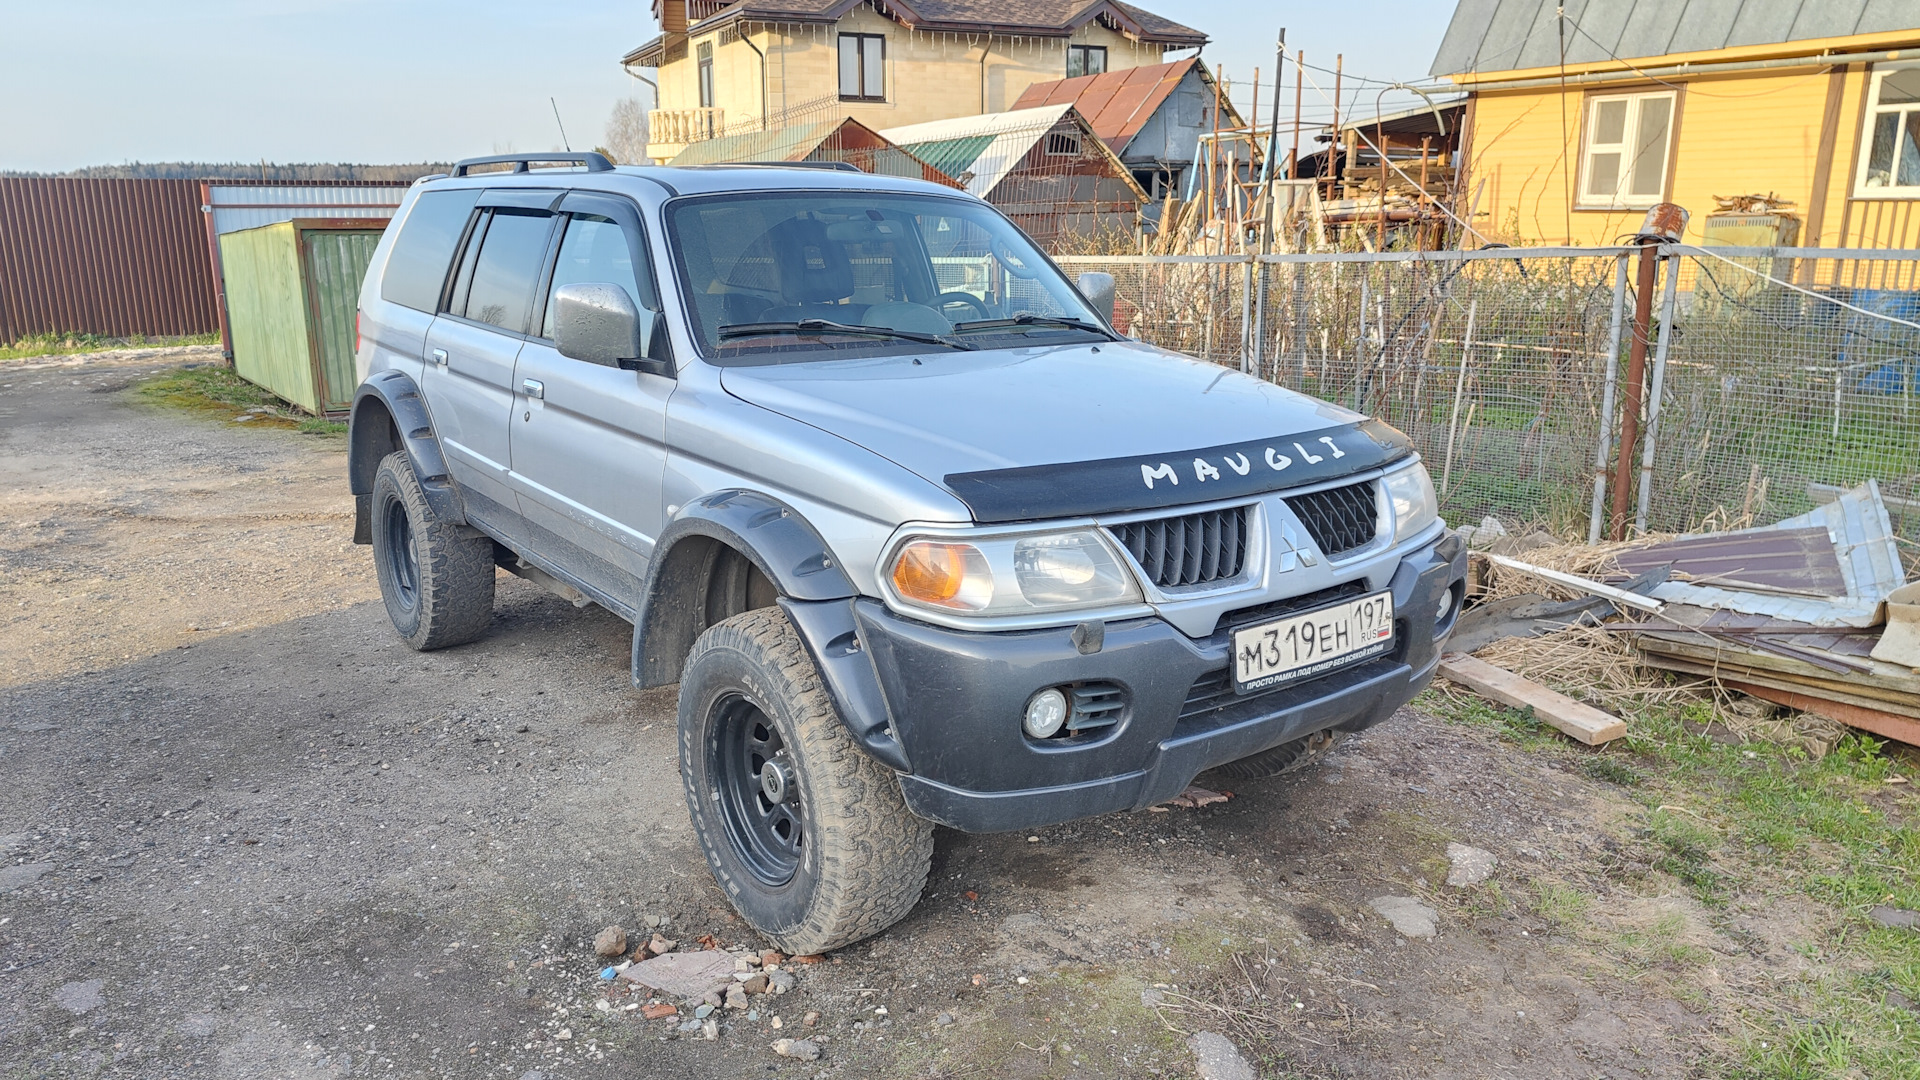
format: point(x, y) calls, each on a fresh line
point(291, 291)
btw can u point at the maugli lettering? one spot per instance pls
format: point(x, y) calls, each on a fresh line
point(1204, 470)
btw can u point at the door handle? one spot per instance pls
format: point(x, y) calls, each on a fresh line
point(534, 388)
point(440, 357)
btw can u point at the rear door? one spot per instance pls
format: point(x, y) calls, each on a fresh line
point(589, 441)
point(473, 344)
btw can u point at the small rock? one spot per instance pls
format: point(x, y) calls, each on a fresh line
point(780, 982)
point(703, 1011)
point(944, 1019)
point(756, 985)
point(610, 942)
point(772, 956)
point(79, 998)
point(658, 1011)
point(709, 1029)
point(1409, 916)
point(1216, 1058)
point(687, 974)
point(1471, 865)
point(797, 1048)
point(660, 946)
point(742, 965)
point(812, 958)
point(736, 997)
point(775, 1023)
point(564, 1034)
point(810, 1019)
point(1895, 917)
point(652, 920)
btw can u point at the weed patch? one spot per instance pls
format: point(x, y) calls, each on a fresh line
point(58, 344)
point(217, 393)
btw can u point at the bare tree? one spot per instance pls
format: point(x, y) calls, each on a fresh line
point(626, 138)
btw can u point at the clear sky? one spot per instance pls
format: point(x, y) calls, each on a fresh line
point(97, 82)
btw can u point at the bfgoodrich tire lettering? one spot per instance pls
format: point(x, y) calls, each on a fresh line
point(436, 579)
point(861, 858)
point(1285, 758)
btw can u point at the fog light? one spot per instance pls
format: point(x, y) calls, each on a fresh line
point(1046, 711)
point(1444, 609)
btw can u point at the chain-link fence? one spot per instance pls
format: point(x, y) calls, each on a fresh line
point(1785, 374)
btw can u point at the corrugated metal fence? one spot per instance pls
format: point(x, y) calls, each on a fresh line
point(116, 257)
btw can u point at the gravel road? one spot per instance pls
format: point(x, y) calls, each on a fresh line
point(247, 833)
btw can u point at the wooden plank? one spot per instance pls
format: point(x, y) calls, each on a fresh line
point(1835, 691)
point(1583, 722)
point(1880, 723)
point(1724, 653)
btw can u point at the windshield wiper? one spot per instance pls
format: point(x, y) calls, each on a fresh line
point(827, 326)
point(1030, 319)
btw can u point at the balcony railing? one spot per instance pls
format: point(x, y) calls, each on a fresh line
point(681, 126)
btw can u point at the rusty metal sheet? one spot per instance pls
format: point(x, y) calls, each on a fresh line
point(1795, 561)
point(1117, 104)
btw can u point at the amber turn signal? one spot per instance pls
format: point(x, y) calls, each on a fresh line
point(931, 573)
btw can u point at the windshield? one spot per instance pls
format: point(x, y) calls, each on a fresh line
point(769, 277)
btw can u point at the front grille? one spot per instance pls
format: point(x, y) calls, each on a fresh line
point(1340, 520)
point(1192, 549)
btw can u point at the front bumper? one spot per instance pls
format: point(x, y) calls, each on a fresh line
point(943, 706)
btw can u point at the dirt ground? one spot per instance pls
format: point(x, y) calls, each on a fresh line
point(247, 833)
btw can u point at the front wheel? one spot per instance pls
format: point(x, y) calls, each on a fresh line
point(437, 581)
point(806, 834)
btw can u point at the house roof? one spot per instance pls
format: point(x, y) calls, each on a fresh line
point(1027, 18)
point(1511, 35)
point(1117, 103)
point(981, 150)
point(845, 139)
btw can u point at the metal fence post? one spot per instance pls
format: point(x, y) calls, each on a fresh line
point(1631, 396)
point(1597, 515)
point(1246, 318)
point(1653, 396)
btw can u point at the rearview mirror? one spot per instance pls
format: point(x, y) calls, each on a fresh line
point(1098, 289)
point(596, 321)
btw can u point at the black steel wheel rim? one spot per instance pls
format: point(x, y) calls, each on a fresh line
point(401, 559)
point(743, 744)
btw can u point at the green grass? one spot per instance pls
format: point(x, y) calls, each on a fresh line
point(58, 344)
point(216, 392)
point(1747, 824)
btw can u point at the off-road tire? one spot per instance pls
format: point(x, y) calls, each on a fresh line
point(449, 597)
point(1285, 758)
point(864, 856)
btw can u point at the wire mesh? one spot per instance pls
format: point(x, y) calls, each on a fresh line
point(1787, 375)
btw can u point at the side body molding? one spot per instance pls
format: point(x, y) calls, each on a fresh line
point(389, 414)
point(765, 531)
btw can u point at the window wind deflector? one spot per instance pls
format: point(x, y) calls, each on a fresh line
point(825, 326)
point(1030, 319)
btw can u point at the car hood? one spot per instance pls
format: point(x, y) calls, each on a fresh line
point(1054, 422)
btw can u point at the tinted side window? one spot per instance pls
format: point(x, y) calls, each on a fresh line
point(503, 275)
point(417, 266)
point(596, 249)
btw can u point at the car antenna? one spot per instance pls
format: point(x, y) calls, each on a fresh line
point(563, 128)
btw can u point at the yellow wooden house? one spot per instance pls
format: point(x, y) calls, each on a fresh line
point(1582, 116)
point(729, 68)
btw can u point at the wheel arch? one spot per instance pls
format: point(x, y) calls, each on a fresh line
point(388, 414)
point(725, 553)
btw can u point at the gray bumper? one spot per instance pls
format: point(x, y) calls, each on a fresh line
point(943, 706)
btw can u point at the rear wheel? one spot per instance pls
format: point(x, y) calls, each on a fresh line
point(436, 579)
point(806, 834)
point(1285, 758)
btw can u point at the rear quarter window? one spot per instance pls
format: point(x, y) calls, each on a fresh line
point(417, 268)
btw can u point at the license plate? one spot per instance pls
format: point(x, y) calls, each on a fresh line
point(1285, 650)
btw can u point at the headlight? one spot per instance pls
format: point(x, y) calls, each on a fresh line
point(1415, 506)
point(1011, 575)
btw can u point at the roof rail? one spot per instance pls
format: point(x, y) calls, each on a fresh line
point(520, 162)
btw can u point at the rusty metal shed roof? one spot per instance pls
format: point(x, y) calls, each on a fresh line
point(1117, 103)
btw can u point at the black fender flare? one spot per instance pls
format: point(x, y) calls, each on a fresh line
point(812, 589)
point(389, 414)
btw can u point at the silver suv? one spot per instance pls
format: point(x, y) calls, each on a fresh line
point(921, 538)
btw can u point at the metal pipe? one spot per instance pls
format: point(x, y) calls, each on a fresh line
point(1459, 391)
point(1636, 382)
point(1267, 169)
point(1597, 514)
point(1653, 400)
point(1692, 70)
point(763, 78)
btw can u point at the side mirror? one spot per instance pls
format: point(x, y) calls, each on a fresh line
point(1098, 289)
point(596, 321)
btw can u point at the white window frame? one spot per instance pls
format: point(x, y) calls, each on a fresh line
point(1874, 111)
point(1622, 199)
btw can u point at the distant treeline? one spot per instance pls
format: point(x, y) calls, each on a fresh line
point(198, 170)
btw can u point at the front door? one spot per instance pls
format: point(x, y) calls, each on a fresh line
point(474, 343)
point(588, 440)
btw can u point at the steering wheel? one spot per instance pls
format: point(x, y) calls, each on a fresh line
point(948, 299)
